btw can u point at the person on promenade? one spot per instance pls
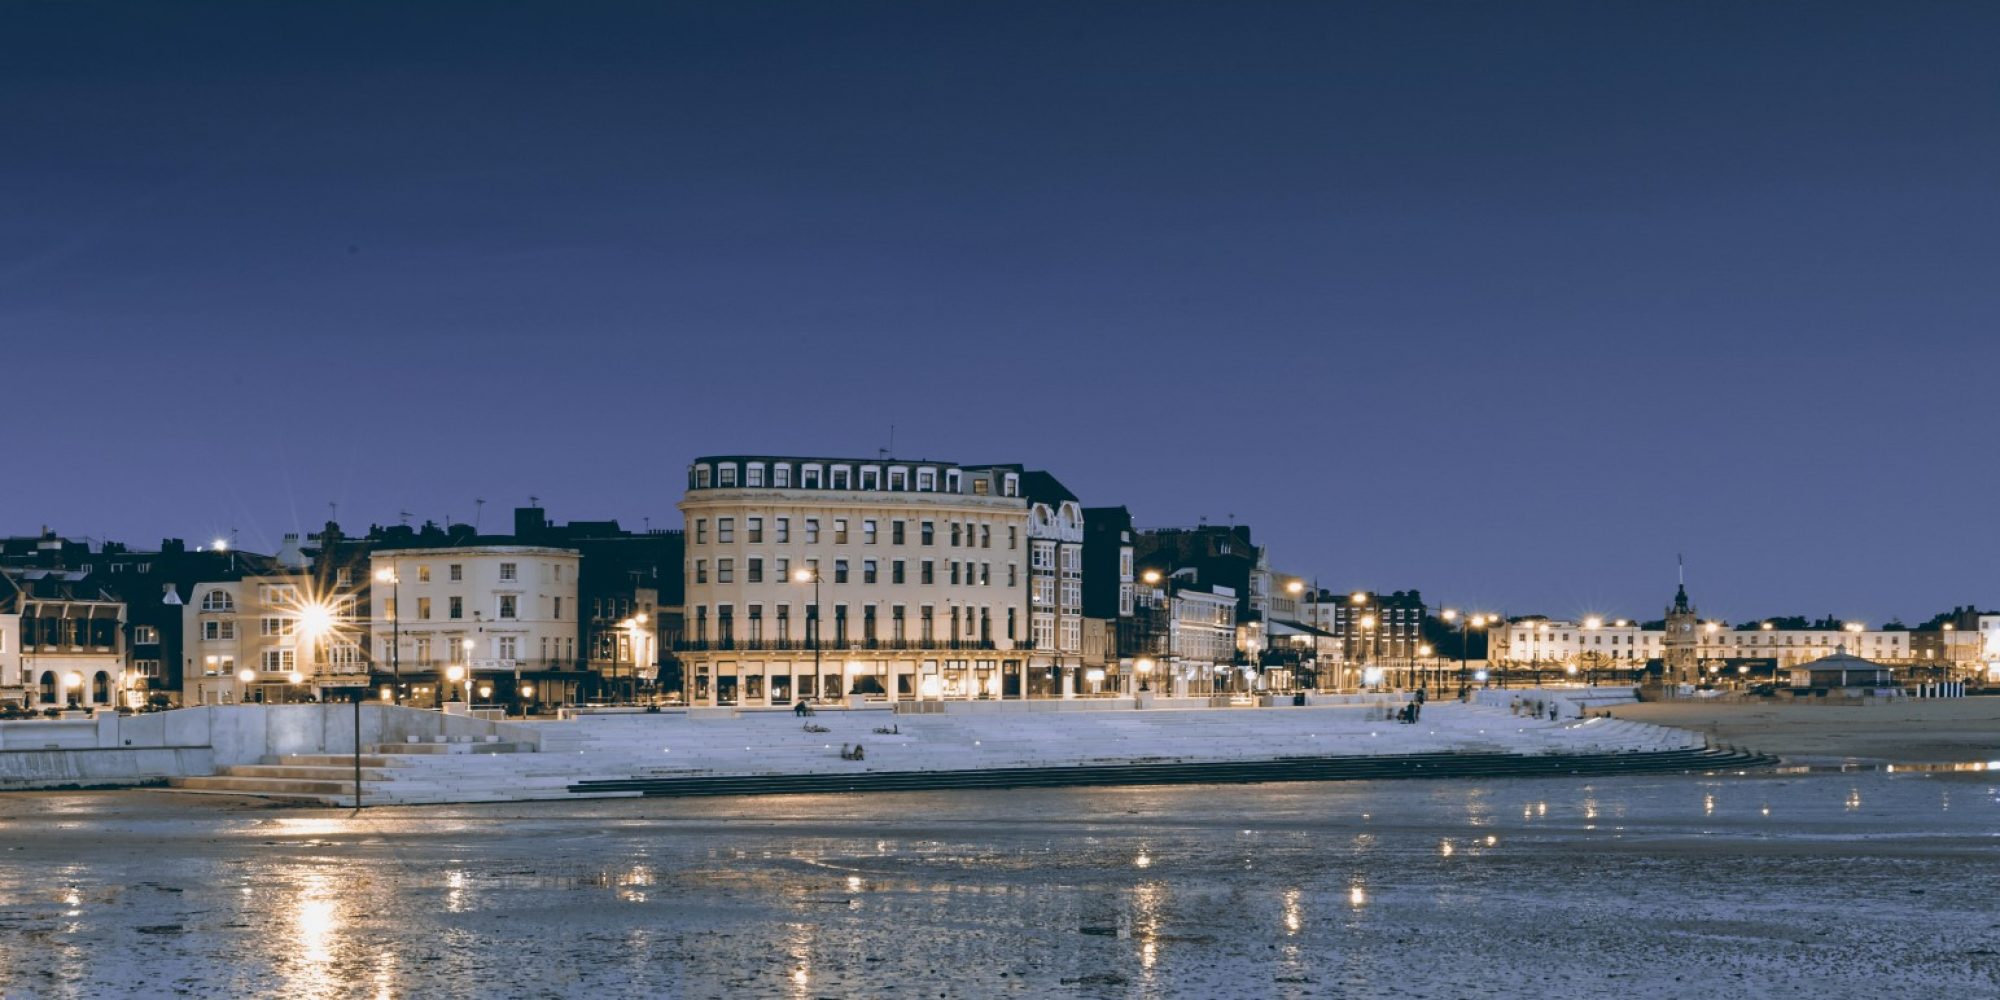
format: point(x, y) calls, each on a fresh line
point(802, 709)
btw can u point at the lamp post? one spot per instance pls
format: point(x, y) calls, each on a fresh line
point(1294, 588)
point(810, 574)
point(455, 675)
point(389, 576)
point(1153, 577)
point(1591, 625)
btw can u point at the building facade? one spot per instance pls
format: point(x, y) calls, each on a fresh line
point(504, 615)
point(61, 646)
point(831, 578)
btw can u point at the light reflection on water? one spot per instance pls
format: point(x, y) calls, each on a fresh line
point(1148, 892)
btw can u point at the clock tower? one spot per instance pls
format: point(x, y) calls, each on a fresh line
point(1680, 648)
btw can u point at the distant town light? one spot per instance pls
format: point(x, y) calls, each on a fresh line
point(1593, 622)
point(1359, 597)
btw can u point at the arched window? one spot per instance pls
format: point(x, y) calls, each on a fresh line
point(100, 688)
point(48, 687)
point(218, 600)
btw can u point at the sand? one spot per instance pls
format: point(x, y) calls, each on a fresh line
point(1809, 886)
point(1907, 731)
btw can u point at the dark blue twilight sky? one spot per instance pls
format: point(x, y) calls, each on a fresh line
point(1512, 302)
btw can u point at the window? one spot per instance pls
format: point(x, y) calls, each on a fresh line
point(725, 475)
point(929, 574)
point(557, 616)
point(868, 531)
point(868, 623)
point(701, 531)
point(782, 570)
point(701, 477)
point(926, 480)
point(1010, 622)
point(985, 573)
point(899, 480)
point(147, 668)
point(753, 529)
point(725, 530)
point(870, 477)
point(839, 477)
point(423, 573)
point(507, 605)
point(896, 532)
point(981, 486)
point(456, 608)
point(1013, 541)
point(277, 627)
point(145, 635)
point(896, 571)
point(510, 571)
point(812, 531)
point(424, 608)
point(506, 647)
point(951, 481)
point(868, 571)
point(218, 630)
point(782, 529)
point(928, 531)
point(840, 531)
point(840, 571)
point(954, 534)
point(985, 536)
point(753, 475)
point(455, 572)
point(954, 572)
point(343, 578)
point(725, 571)
point(896, 623)
point(279, 660)
point(389, 608)
point(756, 623)
point(1013, 579)
point(755, 570)
point(840, 624)
point(924, 616)
point(781, 476)
point(701, 571)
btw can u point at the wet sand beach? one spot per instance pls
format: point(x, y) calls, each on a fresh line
point(1807, 885)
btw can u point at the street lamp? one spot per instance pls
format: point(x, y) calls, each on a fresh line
point(455, 674)
point(1154, 577)
point(389, 576)
point(810, 574)
point(72, 688)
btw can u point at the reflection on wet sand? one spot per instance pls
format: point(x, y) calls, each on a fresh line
point(1445, 889)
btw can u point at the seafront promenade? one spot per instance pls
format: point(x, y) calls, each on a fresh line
point(746, 752)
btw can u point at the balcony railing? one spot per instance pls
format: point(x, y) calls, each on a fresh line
point(829, 645)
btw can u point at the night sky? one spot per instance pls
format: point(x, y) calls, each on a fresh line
point(1510, 302)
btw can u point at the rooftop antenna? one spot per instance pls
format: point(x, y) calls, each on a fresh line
point(333, 511)
point(478, 508)
point(534, 501)
point(404, 517)
point(649, 524)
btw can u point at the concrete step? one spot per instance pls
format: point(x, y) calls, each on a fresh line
point(439, 749)
point(332, 760)
point(301, 787)
point(320, 772)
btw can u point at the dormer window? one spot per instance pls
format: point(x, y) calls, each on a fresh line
point(725, 476)
point(899, 479)
point(926, 480)
point(781, 476)
point(951, 481)
point(809, 477)
point(701, 474)
point(840, 477)
point(753, 474)
point(218, 600)
point(871, 477)
point(1011, 485)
